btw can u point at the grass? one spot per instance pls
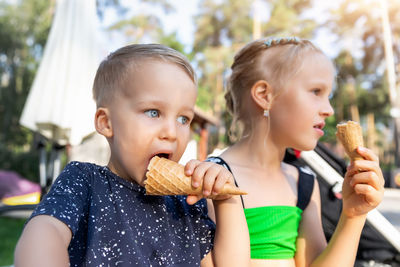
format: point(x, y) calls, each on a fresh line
point(10, 231)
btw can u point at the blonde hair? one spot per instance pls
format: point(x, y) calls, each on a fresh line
point(116, 68)
point(275, 60)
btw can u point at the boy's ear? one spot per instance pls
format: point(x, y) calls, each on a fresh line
point(261, 93)
point(102, 122)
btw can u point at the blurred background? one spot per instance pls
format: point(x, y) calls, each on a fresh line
point(46, 45)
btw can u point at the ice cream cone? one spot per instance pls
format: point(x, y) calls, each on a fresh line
point(166, 177)
point(350, 135)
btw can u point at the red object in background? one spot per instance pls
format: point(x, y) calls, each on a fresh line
point(297, 153)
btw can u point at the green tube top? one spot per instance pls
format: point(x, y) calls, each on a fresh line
point(273, 231)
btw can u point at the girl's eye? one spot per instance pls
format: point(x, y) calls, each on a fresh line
point(316, 91)
point(152, 113)
point(183, 119)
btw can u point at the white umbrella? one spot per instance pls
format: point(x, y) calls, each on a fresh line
point(59, 105)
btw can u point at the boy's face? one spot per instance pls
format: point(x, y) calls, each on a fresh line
point(151, 118)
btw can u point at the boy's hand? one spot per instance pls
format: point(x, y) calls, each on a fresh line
point(363, 184)
point(211, 176)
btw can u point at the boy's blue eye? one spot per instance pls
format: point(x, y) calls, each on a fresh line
point(183, 119)
point(152, 113)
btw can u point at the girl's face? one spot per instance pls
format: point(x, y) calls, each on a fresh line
point(298, 113)
point(152, 118)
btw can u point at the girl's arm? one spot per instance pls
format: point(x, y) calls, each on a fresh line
point(44, 242)
point(362, 191)
point(312, 248)
point(231, 241)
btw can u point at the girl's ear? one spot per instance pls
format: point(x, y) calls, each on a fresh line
point(261, 92)
point(102, 122)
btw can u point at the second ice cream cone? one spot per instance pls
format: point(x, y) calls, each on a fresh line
point(350, 135)
point(166, 177)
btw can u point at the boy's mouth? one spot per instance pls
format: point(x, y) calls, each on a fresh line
point(163, 155)
point(166, 155)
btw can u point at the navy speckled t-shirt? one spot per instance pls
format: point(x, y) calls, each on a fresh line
point(114, 223)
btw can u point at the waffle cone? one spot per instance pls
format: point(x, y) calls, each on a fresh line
point(350, 135)
point(166, 177)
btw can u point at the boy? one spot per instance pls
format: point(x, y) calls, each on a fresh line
point(100, 216)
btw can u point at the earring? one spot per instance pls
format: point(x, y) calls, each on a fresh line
point(266, 113)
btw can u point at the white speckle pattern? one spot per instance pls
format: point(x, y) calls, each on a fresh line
point(115, 224)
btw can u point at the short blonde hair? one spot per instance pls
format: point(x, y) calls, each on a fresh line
point(116, 67)
point(275, 60)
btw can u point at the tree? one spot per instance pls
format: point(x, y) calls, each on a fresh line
point(223, 27)
point(24, 27)
point(359, 24)
point(23, 32)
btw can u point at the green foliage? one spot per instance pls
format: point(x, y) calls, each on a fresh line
point(171, 40)
point(285, 19)
point(222, 27)
point(24, 27)
point(362, 79)
point(204, 99)
point(330, 130)
point(10, 232)
point(222, 22)
point(365, 68)
point(146, 27)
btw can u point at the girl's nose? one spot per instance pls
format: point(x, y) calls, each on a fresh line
point(327, 109)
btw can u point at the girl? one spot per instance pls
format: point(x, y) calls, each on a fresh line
point(278, 93)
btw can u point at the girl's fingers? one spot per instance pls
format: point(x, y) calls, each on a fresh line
point(372, 196)
point(366, 178)
point(360, 166)
point(367, 154)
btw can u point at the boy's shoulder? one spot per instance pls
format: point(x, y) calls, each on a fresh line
point(83, 165)
point(78, 168)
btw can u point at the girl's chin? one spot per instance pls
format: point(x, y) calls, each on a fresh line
point(307, 147)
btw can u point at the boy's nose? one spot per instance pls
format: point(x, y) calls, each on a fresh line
point(168, 131)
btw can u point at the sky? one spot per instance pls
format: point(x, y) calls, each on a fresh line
point(180, 20)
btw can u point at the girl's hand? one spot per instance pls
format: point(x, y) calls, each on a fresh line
point(363, 184)
point(211, 176)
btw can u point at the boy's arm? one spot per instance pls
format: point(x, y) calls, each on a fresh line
point(44, 242)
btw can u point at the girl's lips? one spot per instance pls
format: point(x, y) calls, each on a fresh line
point(318, 128)
point(319, 131)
